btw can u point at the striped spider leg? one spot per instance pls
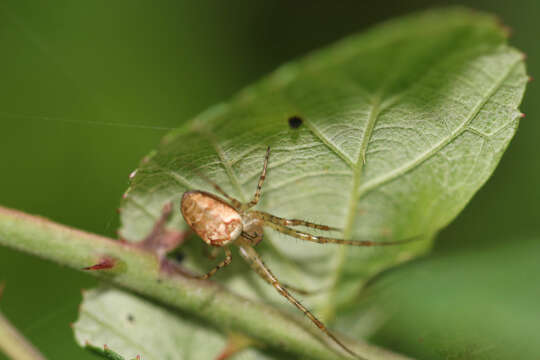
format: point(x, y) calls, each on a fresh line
point(221, 224)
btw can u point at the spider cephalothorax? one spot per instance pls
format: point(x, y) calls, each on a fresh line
point(220, 223)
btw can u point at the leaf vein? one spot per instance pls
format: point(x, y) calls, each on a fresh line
point(228, 168)
point(329, 144)
point(141, 207)
point(371, 185)
point(353, 201)
point(305, 176)
point(178, 178)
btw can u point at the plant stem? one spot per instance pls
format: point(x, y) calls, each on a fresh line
point(139, 270)
point(14, 345)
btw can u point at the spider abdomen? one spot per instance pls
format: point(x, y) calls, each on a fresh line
point(215, 221)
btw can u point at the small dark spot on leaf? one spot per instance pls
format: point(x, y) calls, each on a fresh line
point(295, 122)
point(130, 318)
point(159, 281)
point(178, 256)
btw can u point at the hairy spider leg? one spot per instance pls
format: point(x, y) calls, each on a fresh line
point(325, 240)
point(256, 263)
point(302, 291)
point(225, 262)
point(250, 238)
point(257, 195)
point(234, 202)
point(293, 222)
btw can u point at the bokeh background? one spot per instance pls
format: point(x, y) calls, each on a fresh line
point(88, 87)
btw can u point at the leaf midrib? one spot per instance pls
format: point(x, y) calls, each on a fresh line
point(358, 190)
point(358, 169)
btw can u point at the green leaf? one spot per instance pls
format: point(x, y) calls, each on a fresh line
point(401, 125)
point(104, 352)
point(130, 326)
point(474, 304)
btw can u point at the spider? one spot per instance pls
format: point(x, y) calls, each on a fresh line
point(221, 224)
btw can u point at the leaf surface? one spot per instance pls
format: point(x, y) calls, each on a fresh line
point(401, 125)
point(130, 326)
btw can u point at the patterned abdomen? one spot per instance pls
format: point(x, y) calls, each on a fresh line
point(215, 221)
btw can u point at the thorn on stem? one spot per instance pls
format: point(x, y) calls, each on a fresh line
point(104, 264)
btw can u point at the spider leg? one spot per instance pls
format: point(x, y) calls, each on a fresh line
point(257, 195)
point(247, 236)
point(301, 291)
point(256, 263)
point(293, 222)
point(225, 262)
point(324, 240)
point(235, 203)
point(211, 254)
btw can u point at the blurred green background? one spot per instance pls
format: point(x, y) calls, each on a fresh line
point(74, 75)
